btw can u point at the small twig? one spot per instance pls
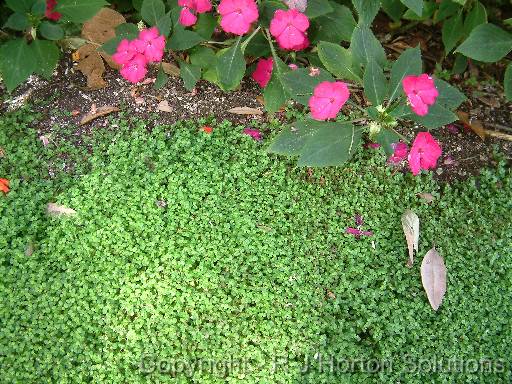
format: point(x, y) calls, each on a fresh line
point(498, 135)
point(500, 126)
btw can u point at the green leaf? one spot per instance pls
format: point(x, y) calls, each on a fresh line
point(429, 7)
point(203, 57)
point(17, 62)
point(17, 22)
point(415, 5)
point(190, 74)
point(292, 138)
point(21, 6)
point(385, 138)
point(449, 97)
point(475, 17)
point(183, 39)
point(46, 54)
point(394, 8)
point(38, 8)
point(338, 61)
point(375, 83)
point(206, 23)
point(330, 144)
point(437, 117)
point(335, 26)
point(127, 31)
point(452, 32)
point(318, 8)
point(300, 85)
point(367, 10)
point(447, 8)
point(51, 31)
point(79, 11)
point(487, 43)
point(409, 63)
point(231, 66)
point(164, 24)
point(365, 46)
point(152, 11)
point(258, 46)
point(161, 78)
point(274, 93)
point(507, 82)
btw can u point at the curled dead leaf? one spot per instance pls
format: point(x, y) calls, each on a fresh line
point(475, 125)
point(171, 69)
point(102, 27)
point(59, 210)
point(164, 106)
point(91, 65)
point(411, 227)
point(245, 111)
point(433, 277)
point(98, 112)
point(428, 197)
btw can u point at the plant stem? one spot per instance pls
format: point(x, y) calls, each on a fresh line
point(248, 40)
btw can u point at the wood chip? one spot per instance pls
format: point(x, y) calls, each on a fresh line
point(99, 112)
point(245, 111)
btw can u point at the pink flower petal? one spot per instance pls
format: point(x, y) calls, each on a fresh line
point(425, 152)
point(263, 72)
point(421, 92)
point(254, 133)
point(237, 15)
point(187, 18)
point(328, 99)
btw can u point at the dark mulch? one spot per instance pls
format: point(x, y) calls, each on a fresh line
point(464, 153)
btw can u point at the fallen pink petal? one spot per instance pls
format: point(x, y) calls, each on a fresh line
point(358, 232)
point(254, 133)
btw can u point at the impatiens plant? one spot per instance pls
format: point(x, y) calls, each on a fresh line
point(29, 37)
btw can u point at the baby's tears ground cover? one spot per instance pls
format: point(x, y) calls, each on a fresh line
point(190, 249)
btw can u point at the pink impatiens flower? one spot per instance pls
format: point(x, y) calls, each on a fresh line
point(135, 70)
point(190, 8)
point(400, 151)
point(126, 51)
point(424, 153)
point(49, 13)
point(421, 92)
point(151, 44)
point(237, 15)
point(289, 28)
point(293, 67)
point(327, 100)
point(254, 133)
point(263, 72)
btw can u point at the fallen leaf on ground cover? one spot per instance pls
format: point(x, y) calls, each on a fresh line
point(54, 209)
point(411, 227)
point(433, 277)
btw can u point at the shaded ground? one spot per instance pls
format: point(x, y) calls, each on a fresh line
point(68, 100)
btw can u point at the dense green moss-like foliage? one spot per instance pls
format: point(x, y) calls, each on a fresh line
point(190, 249)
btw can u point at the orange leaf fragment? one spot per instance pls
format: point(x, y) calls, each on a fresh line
point(4, 186)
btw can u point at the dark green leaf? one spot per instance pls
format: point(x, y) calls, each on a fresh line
point(365, 46)
point(164, 24)
point(375, 83)
point(190, 74)
point(39, 8)
point(292, 138)
point(79, 11)
point(183, 39)
point(51, 31)
point(449, 96)
point(507, 82)
point(203, 57)
point(17, 62)
point(409, 63)
point(21, 6)
point(317, 8)
point(152, 11)
point(437, 117)
point(487, 43)
point(385, 138)
point(452, 32)
point(475, 17)
point(46, 54)
point(17, 21)
point(415, 5)
point(161, 78)
point(206, 23)
point(394, 8)
point(367, 10)
point(335, 26)
point(300, 85)
point(338, 61)
point(331, 144)
point(231, 66)
point(274, 93)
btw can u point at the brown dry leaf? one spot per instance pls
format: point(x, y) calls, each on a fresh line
point(245, 111)
point(2, 152)
point(57, 210)
point(164, 106)
point(433, 277)
point(29, 249)
point(91, 65)
point(98, 112)
point(101, 28)
point(475, 125)
point(411, 227)
point(170, 69)
point(75, 56)
point(428, 197)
